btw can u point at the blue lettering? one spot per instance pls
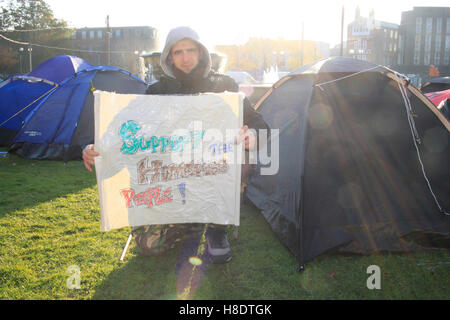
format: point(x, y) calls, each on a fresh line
point(164, 143)
point(155, 143)
point(131, 143)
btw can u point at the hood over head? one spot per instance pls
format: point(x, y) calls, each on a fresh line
point(173, 37)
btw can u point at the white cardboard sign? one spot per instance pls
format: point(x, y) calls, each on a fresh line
point(168, 159)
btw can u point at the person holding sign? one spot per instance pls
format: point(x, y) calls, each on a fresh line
point(186, 63)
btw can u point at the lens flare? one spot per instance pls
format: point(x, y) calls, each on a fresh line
point(195, 261)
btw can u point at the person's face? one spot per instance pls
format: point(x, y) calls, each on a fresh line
point(185, 55)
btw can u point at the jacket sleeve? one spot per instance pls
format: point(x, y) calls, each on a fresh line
point(154, 88)
point(251, 117)
point(254, 120)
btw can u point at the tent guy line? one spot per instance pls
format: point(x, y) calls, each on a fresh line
point(413, 129)
point(411, 123)
point(41, 29)
point(58, 48)
point(18, 112)
point(349, 177)
point(345, 77)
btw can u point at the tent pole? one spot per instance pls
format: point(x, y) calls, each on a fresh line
point(126, 246)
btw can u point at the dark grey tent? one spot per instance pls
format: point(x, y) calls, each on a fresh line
point(353, 138)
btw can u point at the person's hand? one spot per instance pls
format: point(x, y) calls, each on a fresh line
point(247, 136)
point(88, 155)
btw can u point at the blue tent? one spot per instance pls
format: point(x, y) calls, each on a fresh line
point(20, 94)
point(60, 68)
point(63, 123)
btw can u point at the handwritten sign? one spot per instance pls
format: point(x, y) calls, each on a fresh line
point(168, 159)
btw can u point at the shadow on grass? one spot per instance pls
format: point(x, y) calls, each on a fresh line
point(25, 183)
point(262, 268)
point(166, 277)
point(258, 267)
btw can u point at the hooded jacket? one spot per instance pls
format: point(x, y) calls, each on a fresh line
point(201, 79)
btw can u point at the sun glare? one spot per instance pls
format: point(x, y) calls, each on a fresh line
point(234, 21)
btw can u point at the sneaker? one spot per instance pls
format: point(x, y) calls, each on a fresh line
point(218, 247)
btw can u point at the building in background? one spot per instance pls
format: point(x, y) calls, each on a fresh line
point(424, 40)
point(336, 50)
point(122, 50)
point(258, 55)
point(372, 40)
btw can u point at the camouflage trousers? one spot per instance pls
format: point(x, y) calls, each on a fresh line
point(157, 239)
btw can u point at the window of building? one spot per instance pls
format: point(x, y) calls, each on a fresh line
point(418, 24)
point(99, 34)
point(400, 57)
point(356, 46)
point(117, 33)
point(416, 58)
point(83, 35)
point(73, 36)
point(447, 50)
point(427, 58)
point(437, 58)
point(437, 43)
point(92, 34)
point(429, 25)
point(400, 50)
point(417, 50)
point(439, 25)
point(448, 25)
point(360, 27)
point(428, 42)
point(417, 43)
point(392, 33)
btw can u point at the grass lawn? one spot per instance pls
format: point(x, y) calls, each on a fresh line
point(50, 221)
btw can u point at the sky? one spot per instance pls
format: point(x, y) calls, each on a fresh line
point(234, 21)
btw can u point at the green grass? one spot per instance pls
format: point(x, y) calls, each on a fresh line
point(50, 220)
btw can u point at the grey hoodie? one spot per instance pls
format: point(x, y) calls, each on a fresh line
point(173, 37)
